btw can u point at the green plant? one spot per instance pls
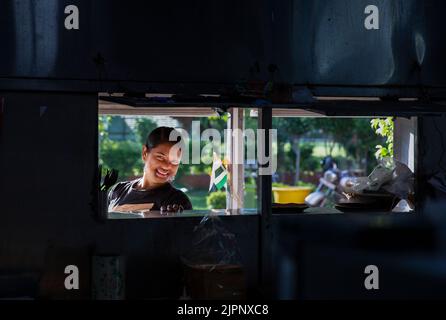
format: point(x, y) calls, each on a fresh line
point(280, 185)
point(216, 200)
point(298, 184)
point(384, 128)
point(143, 127)
point(250, 182)
point(291, 130)
point(124, 156)
point(305, 184)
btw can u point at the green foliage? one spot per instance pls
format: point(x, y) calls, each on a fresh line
point(215, 122)
point(352, 136)
point(299, 184)
point(285, 158)
point(124, 156)
point(384, 128)
point(289, 128)
point(336, 130)
point(351, 133)
point(306, 184)
point(280, 185)
point(216, 200)
point(250, 181)
point(251, 122)
point(308, 162)
point(306, 149)
point(200, 169)
point(198, 199)
point(250, 200)
point(143, 127)
point(103, 123)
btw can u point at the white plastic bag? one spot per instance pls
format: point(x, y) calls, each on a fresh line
point(380, 175)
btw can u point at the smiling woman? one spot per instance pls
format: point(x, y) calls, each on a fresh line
point(155, 164)
point(153, 191)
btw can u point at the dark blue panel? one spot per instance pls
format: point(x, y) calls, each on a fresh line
point(214, 43)
point(36, 44)
point(156, 41)
point(326, 43)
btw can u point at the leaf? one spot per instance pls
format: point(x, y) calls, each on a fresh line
point(384, 128)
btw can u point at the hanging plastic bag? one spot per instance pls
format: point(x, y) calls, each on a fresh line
point(380, 175)
point(213, 268)
point(390, 176)
point(402, 183)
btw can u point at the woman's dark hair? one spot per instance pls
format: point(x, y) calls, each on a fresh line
point(162, 135)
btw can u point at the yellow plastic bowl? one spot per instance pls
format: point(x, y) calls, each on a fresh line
point(291, 194)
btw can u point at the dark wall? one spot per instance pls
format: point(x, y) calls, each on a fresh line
point(208, 46)
point(161, 41)
point(432, 156)
point(48, 154)
point(326, 43)
point(324, 256)
point(48, 157)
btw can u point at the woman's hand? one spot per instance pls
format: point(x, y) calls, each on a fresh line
point(171, 208)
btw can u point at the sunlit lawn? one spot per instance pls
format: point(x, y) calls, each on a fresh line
point(320, 150)
point(198, 198)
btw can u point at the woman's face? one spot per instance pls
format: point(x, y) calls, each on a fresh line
point(161, 163)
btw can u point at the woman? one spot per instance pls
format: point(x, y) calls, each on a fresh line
point(161, 156)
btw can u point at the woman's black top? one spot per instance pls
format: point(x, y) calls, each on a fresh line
point(126, 193)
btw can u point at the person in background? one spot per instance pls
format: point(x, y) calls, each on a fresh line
point(161, 155)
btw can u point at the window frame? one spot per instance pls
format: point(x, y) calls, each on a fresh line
point(235, 121)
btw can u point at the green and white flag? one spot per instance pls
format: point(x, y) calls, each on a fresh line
point(219, 175)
